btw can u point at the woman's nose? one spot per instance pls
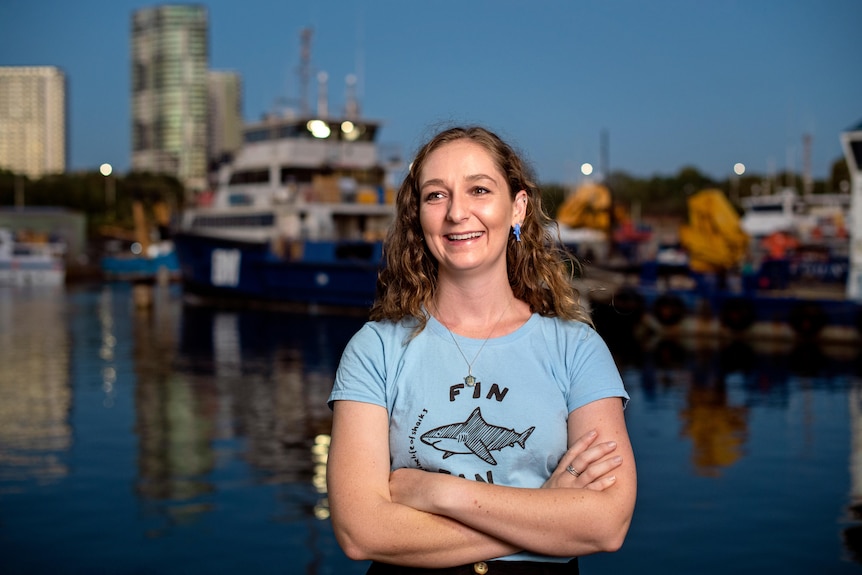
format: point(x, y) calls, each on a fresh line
point(458, 209)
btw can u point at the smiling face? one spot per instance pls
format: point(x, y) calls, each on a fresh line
point(466, 209)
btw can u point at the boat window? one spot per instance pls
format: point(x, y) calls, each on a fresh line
point(368, 134)
point(234, 221)
point(856, 150)
point(257, 135)
point(240, 200)
point(767, 209)
point(250, 177)
point(301, 175)
point(291, 131)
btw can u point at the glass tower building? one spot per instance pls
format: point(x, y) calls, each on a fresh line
point(169, 92)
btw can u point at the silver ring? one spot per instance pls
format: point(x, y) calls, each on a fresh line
point(571, 470)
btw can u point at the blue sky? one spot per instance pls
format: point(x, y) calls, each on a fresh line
point(705, 83)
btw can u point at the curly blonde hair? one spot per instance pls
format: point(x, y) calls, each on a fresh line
point(540, 271)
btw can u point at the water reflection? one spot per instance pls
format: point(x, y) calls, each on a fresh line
point(173, 433)
point(228, 385)
point(214, 387)
point(717, 428)
point(35, 395)
point(717, 383)
point(765, 423)
point(852, 535)
point(174, 418)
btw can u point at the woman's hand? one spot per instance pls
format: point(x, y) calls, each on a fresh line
point(591, 465)
point(586, 465)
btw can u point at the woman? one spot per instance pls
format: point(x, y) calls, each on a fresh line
point(478, 416)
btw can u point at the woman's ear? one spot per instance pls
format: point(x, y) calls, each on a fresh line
point(520, 211)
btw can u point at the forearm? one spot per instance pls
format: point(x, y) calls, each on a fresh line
point(400, 535)
point(560, 522)
point(568, 516)
point(368, 523)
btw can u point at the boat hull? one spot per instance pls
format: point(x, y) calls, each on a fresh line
point(32, 271)
point(753, 307)
point(342, 274)
point(141, 268)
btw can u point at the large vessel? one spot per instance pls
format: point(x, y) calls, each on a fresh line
point(298, 214)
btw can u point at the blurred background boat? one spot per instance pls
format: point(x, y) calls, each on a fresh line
point(297, 215)
point(31, 259)
point(144, 253)
point(773, 265)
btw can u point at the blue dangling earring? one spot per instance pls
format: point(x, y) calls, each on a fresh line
point(517, 232)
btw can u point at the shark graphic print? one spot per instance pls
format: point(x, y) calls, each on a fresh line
point(476, 436)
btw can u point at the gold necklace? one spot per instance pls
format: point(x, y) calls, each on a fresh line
point(469, 380)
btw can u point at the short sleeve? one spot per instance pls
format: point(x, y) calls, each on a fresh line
point(361, 373)
point(593, 374)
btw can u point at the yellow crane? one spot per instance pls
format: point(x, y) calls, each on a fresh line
point(713, 236)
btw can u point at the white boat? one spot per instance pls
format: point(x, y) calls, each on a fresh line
point(25, 263)
point(298, 215)
point(810, 217)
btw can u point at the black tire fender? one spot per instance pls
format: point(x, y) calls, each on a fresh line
point(668, 309)
point(737, 314)
point(807, 319)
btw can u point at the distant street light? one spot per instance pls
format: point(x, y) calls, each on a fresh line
point(738, 169)
point(586, 168)
point(110, 191)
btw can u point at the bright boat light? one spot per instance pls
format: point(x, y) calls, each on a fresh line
point(318, 128)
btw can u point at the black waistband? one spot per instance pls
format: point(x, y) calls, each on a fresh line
point(482, 568)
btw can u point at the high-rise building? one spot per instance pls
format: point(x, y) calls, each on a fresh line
point(32, 120)
point(169, 92)
point(225, 115)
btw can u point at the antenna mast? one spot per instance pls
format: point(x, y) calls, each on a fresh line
point(305, 69)
point(351, 109)
point(807, 181)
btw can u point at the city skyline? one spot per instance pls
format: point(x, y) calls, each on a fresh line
point(671, 84)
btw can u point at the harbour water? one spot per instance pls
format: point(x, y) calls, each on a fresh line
point(172, 438)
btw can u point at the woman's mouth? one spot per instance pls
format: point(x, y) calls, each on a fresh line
point(461, 237)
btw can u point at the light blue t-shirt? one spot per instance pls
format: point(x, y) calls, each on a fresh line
point(509, 428)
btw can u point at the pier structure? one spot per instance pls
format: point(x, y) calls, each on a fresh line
point(851, 141)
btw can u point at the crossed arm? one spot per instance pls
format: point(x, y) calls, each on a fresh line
point(416, 518)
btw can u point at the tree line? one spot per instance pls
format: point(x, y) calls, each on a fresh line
point(660, 195)
point(107, 200)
